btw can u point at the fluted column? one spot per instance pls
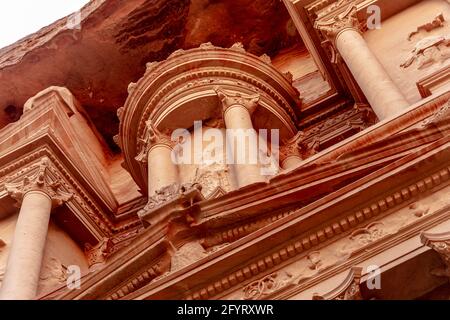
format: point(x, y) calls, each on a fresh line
point(381, 92)
point(37, 194)
point(290, 152)
point(237, 111)
point(156, 153)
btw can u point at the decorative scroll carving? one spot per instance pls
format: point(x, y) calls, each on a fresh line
point(152, 136)
point(265, 58)
point(98, 254)
point(429, 51)
point(213, 179)
point(438, 22)
point(131, 87)
point(440, 243)
point(43, 178)
point(332, 7)
point(238, 46)
point(231, 99)
point(339, 23)
point(348, 290)
point(267, 286)
point(293, 147)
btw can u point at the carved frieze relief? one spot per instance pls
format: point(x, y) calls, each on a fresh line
point(428, 51)
point(312, 263)
point(267, 286)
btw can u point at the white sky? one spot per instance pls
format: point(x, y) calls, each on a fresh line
point(19, 18)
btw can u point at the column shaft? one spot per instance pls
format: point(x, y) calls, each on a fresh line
point(381, 92)
point(237, 117)
point(162, 171)
point(28, 245)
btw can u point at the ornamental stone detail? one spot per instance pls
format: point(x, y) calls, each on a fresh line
point(346, 20)
point(293, 147)
point(42, 177)
point(228, 99)
point(152, 137)
point(441, 244)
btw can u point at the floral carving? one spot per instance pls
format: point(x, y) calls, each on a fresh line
point(98, 254)
point(42, 177)
point(152, 136)
point(369, 234)
point(267, 286)
point(441, 244)
point(230, 99)
point(346, 20)
point(293, 147)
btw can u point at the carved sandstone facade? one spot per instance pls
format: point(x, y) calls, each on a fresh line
point(350, 203)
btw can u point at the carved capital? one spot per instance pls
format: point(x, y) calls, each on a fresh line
point(152, 137)
point(440, 243)
point(346, 20)
point(293, 147)
point(99, 253)
point(229, 99)
point(42, 177)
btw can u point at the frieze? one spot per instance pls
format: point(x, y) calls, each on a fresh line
point(339, 252)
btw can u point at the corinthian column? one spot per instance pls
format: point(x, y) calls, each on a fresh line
point(290, 152)
point(381, 92)
point(156, 153)
point(37, 194)
point(241, 136)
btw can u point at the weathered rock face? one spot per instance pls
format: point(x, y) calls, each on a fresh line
point(98, 61)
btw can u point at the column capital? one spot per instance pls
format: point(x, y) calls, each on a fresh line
point(344, 21)
point(231, 99)
point(42, 177)
point(292, 147)
point(439, 242)
point(152, 137)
